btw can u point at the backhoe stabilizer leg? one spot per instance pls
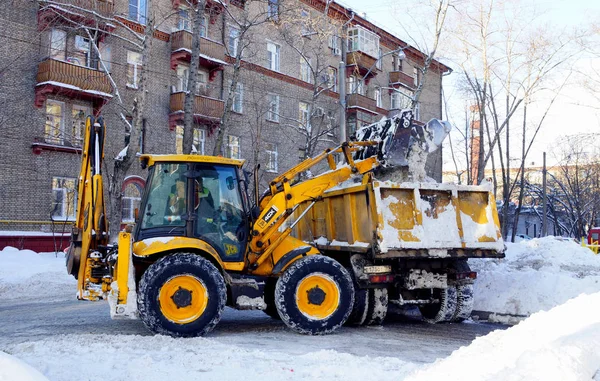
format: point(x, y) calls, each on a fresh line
point(122, 296)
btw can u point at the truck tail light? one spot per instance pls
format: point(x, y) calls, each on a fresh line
point(381, 278)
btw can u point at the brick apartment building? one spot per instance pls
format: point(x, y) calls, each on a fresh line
point(51, 77)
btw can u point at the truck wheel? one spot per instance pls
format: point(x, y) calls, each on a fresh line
point(378, 306)
point(314, 295)
point(181, 295)
point(464, 303)
point(271, 309)
point(443, 310)
point(358, 316)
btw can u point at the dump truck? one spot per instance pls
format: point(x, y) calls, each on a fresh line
point(406, 243)
point(202, 242)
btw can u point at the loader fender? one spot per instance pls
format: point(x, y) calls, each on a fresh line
point(153, 246)
point(289, 257)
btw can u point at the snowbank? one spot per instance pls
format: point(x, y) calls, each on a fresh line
point(149, 358)
point(11, 369)
point(26, 275)
point(561, 344)
point(536, 275)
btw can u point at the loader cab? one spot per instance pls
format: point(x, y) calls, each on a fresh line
point(196, 198)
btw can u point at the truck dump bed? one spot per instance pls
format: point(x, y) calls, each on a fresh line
point(405, 220)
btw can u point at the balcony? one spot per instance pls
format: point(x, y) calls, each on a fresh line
point(213, 7)
point(85, 12)
point(400, 77)
point(74, 81)
point(207, 111)
point(361, 62)
point(212, 54)
point(361, 102)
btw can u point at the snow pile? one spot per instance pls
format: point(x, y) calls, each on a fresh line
point(536, 275)
point(11, 368)
point(25, 274)
point(148, 358)
point(561, 344)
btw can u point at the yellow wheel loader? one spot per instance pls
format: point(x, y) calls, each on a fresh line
point(201, 242)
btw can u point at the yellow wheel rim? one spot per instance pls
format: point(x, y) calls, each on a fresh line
point(183, 298)
point(317, 296)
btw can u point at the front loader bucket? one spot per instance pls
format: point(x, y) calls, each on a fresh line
point(398, 135)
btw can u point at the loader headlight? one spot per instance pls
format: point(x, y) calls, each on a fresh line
point(377, 269)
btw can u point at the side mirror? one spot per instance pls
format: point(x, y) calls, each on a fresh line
point(230, 183)
point(255, 212)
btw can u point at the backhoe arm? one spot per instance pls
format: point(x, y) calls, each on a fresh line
point(285, 196)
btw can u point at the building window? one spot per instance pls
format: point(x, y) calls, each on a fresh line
point(363, 40)
point(132, 196)
point(105, 55)
point(55, 122)
point(334, 45)
point(238, 99)
point(134, 69)
point(401, 99)
point(201, 86)
point(203, 28)
point(355, 85)
point(271, 150)
point(306, 25)
point(273, 113)
point(233, 42)
point(396, 63)
point(137, 11)
point(273, 51)
point(379, 62)
point(332, 78)
point(415, 76)
point(183, 19)
point(63, 198)
point(305, 70)
point(78, 116)
point(273, 11)
point(183, 73)
point(81, 54)
point(304, 116)
point(233, 147)
point(197, 145)
point(377, 96)
point(58, 44)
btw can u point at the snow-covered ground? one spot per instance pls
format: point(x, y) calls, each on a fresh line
point(548, 275)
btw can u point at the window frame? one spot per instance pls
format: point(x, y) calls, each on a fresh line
point(273, 109)
point(65, 199)
point(305, 70)
point(238, 99)
point(57, 44)
point(77, 134)
point(273, 10)
point(230, 147)
point(274, 57)
point(57, 139)
point(332, 74)
point(304, 116)
point(139, 184)
point(272, 157)
point(137, 67)
point(233, 41)
point(141, 11)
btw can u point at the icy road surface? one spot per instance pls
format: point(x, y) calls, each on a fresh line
point(401, 337)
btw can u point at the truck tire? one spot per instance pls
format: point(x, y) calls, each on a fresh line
point(378, 306)
point(358, 316)
point(181, 295)
point(464, 302)
point(443, 310)
point(314, 295)
point(271, 309)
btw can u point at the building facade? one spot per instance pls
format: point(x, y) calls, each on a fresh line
point(61, 60)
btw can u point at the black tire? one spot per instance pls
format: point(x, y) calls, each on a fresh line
point(358, 316)
point(181, 266)
point(290, 287)
point(464, 303)
point(442, 311)
point(271, 309)
point(378, 306)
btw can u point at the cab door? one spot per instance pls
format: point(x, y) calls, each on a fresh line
point(219, 215)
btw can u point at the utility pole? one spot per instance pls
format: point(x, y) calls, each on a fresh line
point(545, 206)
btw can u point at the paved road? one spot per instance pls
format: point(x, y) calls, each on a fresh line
point(401, 336)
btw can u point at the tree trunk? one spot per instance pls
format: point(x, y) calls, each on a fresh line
point(190, 94)
point(522, 181)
